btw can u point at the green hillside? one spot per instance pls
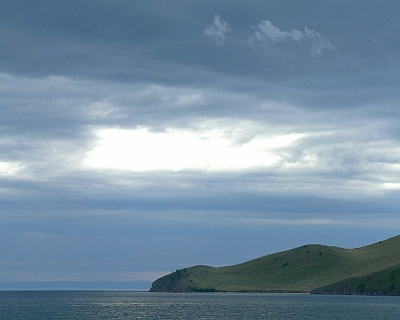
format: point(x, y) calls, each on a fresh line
point(310, 268)
point(386, 282)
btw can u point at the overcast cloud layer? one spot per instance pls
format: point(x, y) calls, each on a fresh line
point(137, 137)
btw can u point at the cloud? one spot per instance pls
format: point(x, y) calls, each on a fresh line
point(266, 32)
point(8, 168)
point(177, 149)
point(217, 30)
point(110, 126)
point(120, 140)
point(318, 43)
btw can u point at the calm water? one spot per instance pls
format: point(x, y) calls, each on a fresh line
point(143, 305)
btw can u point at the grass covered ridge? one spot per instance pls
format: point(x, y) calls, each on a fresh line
point(310, 268)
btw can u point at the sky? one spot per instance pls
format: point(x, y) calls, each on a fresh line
point(141, 137)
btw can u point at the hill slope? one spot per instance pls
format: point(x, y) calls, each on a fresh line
point(303, 269)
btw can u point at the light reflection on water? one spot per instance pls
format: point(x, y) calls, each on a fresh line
point(144, 305)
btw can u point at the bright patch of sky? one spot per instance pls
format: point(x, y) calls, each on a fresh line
point(175, 149)
point(9, 168)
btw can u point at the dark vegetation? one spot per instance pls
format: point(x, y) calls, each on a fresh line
point(374, 269)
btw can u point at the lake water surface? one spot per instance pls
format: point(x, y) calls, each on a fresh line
point(144, 305)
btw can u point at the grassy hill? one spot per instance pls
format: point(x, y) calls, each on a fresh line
point(386, 282)
point(310, 268)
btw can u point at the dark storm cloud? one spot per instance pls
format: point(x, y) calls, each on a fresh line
point(130, 41)
point(106, 39)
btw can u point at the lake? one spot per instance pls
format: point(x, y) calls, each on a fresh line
point(144, 305)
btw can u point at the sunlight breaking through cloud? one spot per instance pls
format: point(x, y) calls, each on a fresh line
point(10, 168)
point(178, 149)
